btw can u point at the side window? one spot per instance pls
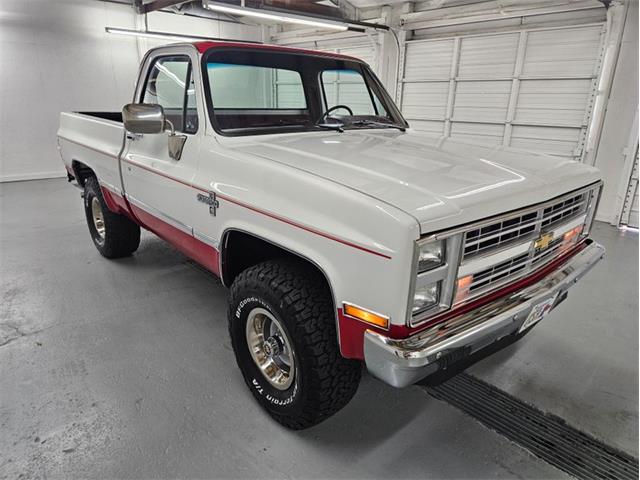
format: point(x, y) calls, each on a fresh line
point(347, 87)
point(170, 84)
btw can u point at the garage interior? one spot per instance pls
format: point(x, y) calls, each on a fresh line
point(124, 369)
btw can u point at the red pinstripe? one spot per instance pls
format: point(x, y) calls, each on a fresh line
point(260, 211)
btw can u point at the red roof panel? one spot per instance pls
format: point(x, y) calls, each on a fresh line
point(206, 45)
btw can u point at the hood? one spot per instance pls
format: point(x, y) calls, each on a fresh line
point(441, 183)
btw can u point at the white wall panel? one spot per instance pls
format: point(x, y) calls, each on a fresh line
point(622, 107)
point(55, 56)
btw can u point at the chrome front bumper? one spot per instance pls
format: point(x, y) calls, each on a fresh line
point(402, 362)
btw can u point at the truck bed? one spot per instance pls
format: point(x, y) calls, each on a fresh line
point(95, 140)
point(113, 116)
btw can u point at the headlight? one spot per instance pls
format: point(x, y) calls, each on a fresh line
point(430, 255)
point(426, 296)
point(435, 269)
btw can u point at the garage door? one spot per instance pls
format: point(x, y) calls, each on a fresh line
point(630, 209)
point(531, 88)
point(361, 48)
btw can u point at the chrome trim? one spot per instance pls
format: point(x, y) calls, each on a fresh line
point(532, 263)
point(505, 216)
point(98, 219)
point(141, 118)
point(110, 187)
point(270, 348)
point(544, 219)
point(431, 276)
point(596, 194)
point(447, 273)
point(402, 362)
point(476, 264)
point(212, 242)
point(158, 214)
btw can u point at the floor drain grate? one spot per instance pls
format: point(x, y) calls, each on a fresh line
point(545, 435)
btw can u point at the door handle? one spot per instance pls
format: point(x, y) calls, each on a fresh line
point(133, 136)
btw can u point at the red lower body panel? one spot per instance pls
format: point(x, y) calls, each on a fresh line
point(117, 203)
point(204, 254)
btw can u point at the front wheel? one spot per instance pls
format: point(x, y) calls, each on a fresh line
point(283, 332)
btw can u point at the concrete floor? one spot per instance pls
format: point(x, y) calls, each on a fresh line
point(123, 369)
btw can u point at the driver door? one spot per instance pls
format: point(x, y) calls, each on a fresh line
point(157, 186)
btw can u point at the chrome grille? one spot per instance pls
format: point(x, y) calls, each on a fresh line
point(499, 272)
point(515, 267)
point(516, 228)
point(520, 228)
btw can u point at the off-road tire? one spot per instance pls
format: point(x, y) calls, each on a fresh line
point(299, 298)
point(121, 236)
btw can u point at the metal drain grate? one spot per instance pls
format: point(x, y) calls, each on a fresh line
point(545, 435)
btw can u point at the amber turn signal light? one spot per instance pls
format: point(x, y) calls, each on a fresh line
point(573, 233)
point(462, 290)
point(366, 316)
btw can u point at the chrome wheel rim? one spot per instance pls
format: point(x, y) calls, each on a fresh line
point(98, 217)
point(270, 348)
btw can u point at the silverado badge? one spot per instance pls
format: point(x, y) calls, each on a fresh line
point(544, 241)
point(210, 200)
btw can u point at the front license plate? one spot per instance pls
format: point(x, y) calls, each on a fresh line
point(538, 312)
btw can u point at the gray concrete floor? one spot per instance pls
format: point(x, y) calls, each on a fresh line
point(123, 369)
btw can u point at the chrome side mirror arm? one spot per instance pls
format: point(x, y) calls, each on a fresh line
point(175, 142)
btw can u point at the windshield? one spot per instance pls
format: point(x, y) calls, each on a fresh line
point(257, 92)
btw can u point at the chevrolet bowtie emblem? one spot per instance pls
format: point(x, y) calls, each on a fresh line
point(544, 241)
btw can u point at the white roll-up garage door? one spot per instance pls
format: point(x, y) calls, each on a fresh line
point(530, 88)
point(361, 47)
point(630, 209)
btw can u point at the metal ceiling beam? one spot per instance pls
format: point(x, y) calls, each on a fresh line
point(143, 8)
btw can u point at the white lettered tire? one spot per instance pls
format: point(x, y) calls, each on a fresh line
point(283, 332)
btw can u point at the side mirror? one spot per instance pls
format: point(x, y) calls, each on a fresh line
point(149, 118)
point(143, 118)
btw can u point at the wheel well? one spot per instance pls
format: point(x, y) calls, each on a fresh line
point(82, 172)
point(241, 250)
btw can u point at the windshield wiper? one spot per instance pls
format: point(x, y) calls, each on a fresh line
point(338, 127)
point(378, 124)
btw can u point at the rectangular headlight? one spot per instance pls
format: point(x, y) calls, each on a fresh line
point(430, 255)
point(426, 296)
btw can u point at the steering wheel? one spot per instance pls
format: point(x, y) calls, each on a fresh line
point(335, 107)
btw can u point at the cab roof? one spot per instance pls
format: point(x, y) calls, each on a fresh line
point(207, 45)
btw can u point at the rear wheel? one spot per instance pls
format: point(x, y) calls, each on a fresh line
point(114, 235)
point(283, 332)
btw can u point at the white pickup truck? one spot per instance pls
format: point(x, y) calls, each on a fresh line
point(344, 236)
